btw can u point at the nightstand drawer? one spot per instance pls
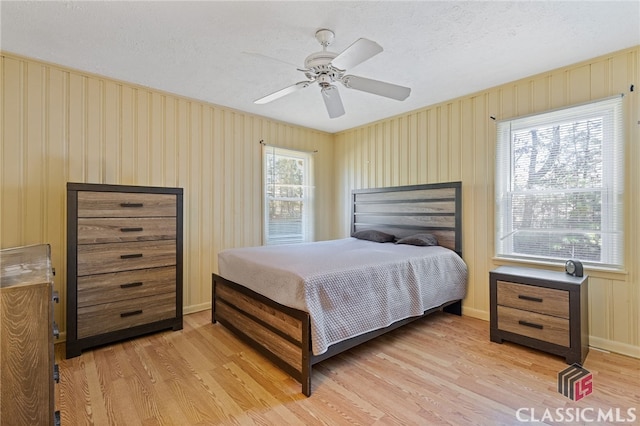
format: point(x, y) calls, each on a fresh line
point(114, 257)
point(125, 204)
point(542, 300)
point(104, 288)
point(542, 327)
point(114, 230)
point(99, 319)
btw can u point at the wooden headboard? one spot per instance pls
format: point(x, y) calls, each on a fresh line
point(405, 210)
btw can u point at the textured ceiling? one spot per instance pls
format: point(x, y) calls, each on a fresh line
point(231, 53)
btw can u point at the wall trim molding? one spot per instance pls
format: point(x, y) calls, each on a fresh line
point(192, 309)
point(613, 346)
point(475, 313)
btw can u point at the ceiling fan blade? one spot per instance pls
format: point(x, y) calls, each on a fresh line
point(332, 101)
point(376, 87)
point(283, 92)
point(361, 50)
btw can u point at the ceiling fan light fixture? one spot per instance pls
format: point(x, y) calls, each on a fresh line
point(324, 80)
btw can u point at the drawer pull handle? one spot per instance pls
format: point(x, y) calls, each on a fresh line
point(129, 314)
point(130, 229)
point(129, 285)
point(132, 205)
point(530, 324)
point(529, 298)
point(130, 256)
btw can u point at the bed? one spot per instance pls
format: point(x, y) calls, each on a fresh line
point(301, 304)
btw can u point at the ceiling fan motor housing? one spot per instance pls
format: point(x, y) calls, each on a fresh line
point(318, 59)
point(318, 66)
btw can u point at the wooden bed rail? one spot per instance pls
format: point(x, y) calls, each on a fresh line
point(282, 334)
point(278, 332)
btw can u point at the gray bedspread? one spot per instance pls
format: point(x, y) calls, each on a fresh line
point(349, 286)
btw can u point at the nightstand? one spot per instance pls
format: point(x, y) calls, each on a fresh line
point(545, 310)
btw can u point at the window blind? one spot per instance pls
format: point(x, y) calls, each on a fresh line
point(560, 185)
point(288, 196)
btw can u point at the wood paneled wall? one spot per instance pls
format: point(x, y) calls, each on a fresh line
point(456, 140)
point(60, 125)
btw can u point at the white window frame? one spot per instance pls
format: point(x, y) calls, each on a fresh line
point(306, 233)
point(611, 190)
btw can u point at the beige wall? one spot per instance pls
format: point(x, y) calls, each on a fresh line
point(60, 125)
point(456, 140)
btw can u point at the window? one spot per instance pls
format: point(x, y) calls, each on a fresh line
point(288, 198)
point(559, 185)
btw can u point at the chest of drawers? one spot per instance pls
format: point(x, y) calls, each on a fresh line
point(546, 310)
point(27, 370)
point(124, 263)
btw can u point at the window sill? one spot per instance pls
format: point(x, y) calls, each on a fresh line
point(605, 273)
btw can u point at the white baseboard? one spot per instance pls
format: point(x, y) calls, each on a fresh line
point(612, 346)
point(192, 309)
point(475, 313)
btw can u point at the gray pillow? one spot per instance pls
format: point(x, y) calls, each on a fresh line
point(375, 236)
point(419, 240)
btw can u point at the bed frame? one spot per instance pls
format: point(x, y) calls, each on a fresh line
point(282, 334)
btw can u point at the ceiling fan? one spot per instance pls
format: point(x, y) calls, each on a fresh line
point(326, 68)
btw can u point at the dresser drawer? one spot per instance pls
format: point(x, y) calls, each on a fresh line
point(537, 326)
point(99, 319)
point(542, 300)
point(125, 204)
point(114, 257)
point(108, 230)
point(104, 288)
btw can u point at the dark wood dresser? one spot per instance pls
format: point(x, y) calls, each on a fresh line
point(27, 330)
point(545, 310)
point(124, 263)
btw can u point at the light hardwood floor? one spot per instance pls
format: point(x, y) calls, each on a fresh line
point(438, 370)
